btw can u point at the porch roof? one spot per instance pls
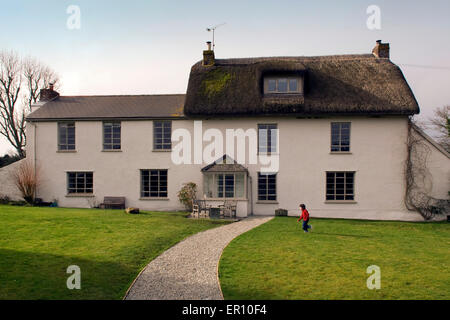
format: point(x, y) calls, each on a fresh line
point(224, 164)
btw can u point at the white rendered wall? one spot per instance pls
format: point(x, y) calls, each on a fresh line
point(378, 153)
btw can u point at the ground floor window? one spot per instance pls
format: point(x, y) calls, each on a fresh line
point(267, 186)
point(154, 183)
point(224, 185)
point(80, 182)
point(340, 185)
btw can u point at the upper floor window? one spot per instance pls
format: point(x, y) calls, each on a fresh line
point(66, 136)
point(282, 85)
point(162, 133)
point(111, 135)
point(340, 136)
point(267, 138)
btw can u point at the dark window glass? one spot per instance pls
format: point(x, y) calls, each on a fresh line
point(267, 186)
point(267, 138)
point(66, 136)
point(282, 85)
point(272, 85)
point(293, 85)
point(340, 186)
point(111, 135)
point(80, 182)
point(162, 134)
point(154, 183)
point(340, 136)
point(225, 185)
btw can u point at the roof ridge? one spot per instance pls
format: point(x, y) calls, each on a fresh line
point(125, 95)
point(352, 55)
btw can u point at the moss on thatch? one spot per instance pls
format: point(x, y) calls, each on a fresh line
point(215, 82)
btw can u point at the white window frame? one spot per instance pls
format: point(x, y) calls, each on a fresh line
point(214, 185)
point(287, 78)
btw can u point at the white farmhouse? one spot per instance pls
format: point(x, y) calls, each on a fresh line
point(331, 132)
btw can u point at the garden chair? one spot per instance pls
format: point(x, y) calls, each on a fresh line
point(228, 208)
point(200, 208)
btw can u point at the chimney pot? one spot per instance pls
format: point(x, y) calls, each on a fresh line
point(381, 50)
point(208, 56)
point(48, 94)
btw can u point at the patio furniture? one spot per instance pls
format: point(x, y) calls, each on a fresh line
point(228, 208)
point(113, 203)
point(200, 208)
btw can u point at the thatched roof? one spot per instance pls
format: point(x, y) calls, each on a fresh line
point(348, 84)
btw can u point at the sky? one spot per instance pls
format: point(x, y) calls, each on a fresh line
point(148, 47)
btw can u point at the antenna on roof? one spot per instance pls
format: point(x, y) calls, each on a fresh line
point(214, 29)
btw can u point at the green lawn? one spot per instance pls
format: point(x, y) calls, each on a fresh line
point(279, 261)
point(110, 247)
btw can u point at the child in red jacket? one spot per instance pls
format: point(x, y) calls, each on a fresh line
point(305, 217)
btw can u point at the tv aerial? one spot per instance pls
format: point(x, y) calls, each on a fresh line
point(213, 29)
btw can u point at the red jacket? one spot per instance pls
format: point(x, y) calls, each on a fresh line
point(304, 216)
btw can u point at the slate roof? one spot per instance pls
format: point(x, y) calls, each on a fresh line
point(111, 107)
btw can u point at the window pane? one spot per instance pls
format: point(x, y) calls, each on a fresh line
point(240, 185)
point(267, 186)
point(293, 85)
point(282, 85)
point(339, 186)
point(111, 135)
point(154, 183)
point(219, 185)
point(229, 185)
point(340, 136)
point(162, 132)
point(272, 85)
point(267, 138)
point(80, 182)
point(66, 136)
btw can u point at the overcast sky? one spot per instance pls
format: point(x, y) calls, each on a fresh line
point(148, 47)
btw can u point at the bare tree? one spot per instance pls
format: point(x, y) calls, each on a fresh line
point(441, 123)
point(20, 82)
point(438, 126)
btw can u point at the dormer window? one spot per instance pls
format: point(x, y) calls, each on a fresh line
point(280, 85)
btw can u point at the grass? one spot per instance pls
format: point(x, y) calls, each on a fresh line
point(110, 247)
point(278, 260)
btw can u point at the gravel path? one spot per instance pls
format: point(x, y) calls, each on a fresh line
point(188, 270)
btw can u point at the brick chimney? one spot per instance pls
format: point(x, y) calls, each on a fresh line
point(381, 50)
point(48, 94)
point(208, 55)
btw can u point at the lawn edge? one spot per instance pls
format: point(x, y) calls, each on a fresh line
point(220, 257)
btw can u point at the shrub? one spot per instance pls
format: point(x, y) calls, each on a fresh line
point(188, 194)
point(4, 199)
point(26, 179)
